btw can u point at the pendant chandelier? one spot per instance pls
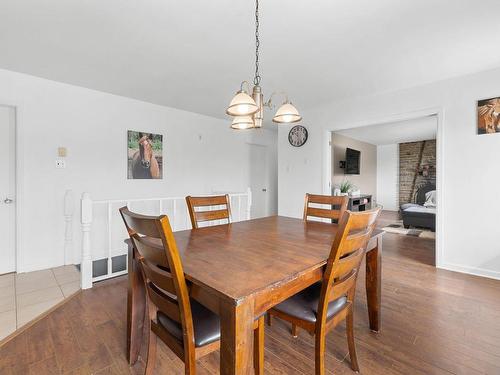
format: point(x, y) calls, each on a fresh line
point(248, 111)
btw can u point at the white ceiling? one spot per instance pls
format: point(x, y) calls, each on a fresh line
point(193, 54)
point(420, 129)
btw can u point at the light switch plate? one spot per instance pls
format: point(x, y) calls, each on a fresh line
point(62, 152)
point(60, 163)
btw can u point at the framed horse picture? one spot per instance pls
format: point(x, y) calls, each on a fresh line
point(145, 155)
point(488, 116)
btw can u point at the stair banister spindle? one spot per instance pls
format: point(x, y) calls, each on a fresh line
point(249, 203)
point(110, 240)
point(174, 213)
point(86, 261)
point(239, 208)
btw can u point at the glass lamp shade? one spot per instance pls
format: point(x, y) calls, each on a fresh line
point(242, 105)
point(242, 123)
point(287, 113)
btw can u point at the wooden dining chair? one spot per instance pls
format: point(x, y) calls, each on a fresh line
point(322, 306)
point(338, 205)
point(187, 327)
point(200, 209)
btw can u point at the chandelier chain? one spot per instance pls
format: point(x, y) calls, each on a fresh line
point(257, 78)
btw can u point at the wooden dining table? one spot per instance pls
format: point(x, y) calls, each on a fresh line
point(241, 270)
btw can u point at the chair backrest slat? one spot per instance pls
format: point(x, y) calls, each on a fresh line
point(152, 251)
point(338, 205)
point(363, 221)
point(211, 215)
point(198, 213)
point(353, 242)
point(161, 266)
point(208, 201)
point(323, 213)
point(164, 303)
point(160, 278)
point(348, 263)
point(137, 223)
point(341, 287)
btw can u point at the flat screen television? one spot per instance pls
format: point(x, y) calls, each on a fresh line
point(352, 161)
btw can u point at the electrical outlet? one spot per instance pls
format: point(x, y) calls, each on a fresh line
point(60, 164)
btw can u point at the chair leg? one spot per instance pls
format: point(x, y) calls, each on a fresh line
point(294, 331)
point(269, 319)
point(258, 347)
point(319, 353)
point(350, 340)
point(150, 363)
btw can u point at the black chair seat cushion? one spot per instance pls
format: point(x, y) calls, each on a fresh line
point(206, 325)
point(304, 305)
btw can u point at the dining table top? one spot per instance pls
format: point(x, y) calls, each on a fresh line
point(241, 259)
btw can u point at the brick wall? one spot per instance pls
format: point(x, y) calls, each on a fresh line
point(409, 162)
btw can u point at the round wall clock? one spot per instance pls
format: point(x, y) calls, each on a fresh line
point(297, 136)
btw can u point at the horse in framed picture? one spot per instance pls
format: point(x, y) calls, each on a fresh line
point(488, 116)
point(144, 163)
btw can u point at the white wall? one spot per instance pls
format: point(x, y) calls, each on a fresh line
point(201, 154)
point(366, 180)
point(468, 233)
point(388, 176)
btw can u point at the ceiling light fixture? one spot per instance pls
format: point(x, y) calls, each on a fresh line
point(242, 122)
point(248, 111)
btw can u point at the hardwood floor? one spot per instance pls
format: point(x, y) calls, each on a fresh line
point(433, 322)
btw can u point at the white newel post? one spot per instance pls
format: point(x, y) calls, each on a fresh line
point(249, 203)
point(86, 263)
point(69, 209)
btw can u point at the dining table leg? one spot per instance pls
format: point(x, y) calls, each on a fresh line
point(136, 308)
point(236, 348)
point(374, 284)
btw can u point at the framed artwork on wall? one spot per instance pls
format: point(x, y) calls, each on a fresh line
point(488, 116)
point(145, 155)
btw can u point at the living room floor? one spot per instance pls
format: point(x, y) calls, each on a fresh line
point(416, 250)
point(387, 217)
point(433, 322)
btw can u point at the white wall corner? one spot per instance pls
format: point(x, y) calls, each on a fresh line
point(476, 271)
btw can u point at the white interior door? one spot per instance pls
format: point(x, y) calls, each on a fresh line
point(258, 180)
point(7, 189)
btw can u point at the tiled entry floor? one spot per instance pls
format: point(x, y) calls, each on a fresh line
point(25, 296)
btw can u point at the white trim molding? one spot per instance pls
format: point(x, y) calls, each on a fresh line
point(475, 271)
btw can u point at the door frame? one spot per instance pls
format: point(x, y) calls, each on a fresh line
point(266, 147)
point(19, 176)
point(435, 111)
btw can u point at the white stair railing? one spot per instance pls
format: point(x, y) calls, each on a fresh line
point(109, 246)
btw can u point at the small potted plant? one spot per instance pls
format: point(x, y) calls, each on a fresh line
point(345, 187)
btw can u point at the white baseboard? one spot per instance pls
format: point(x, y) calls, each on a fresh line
point(470, 270)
